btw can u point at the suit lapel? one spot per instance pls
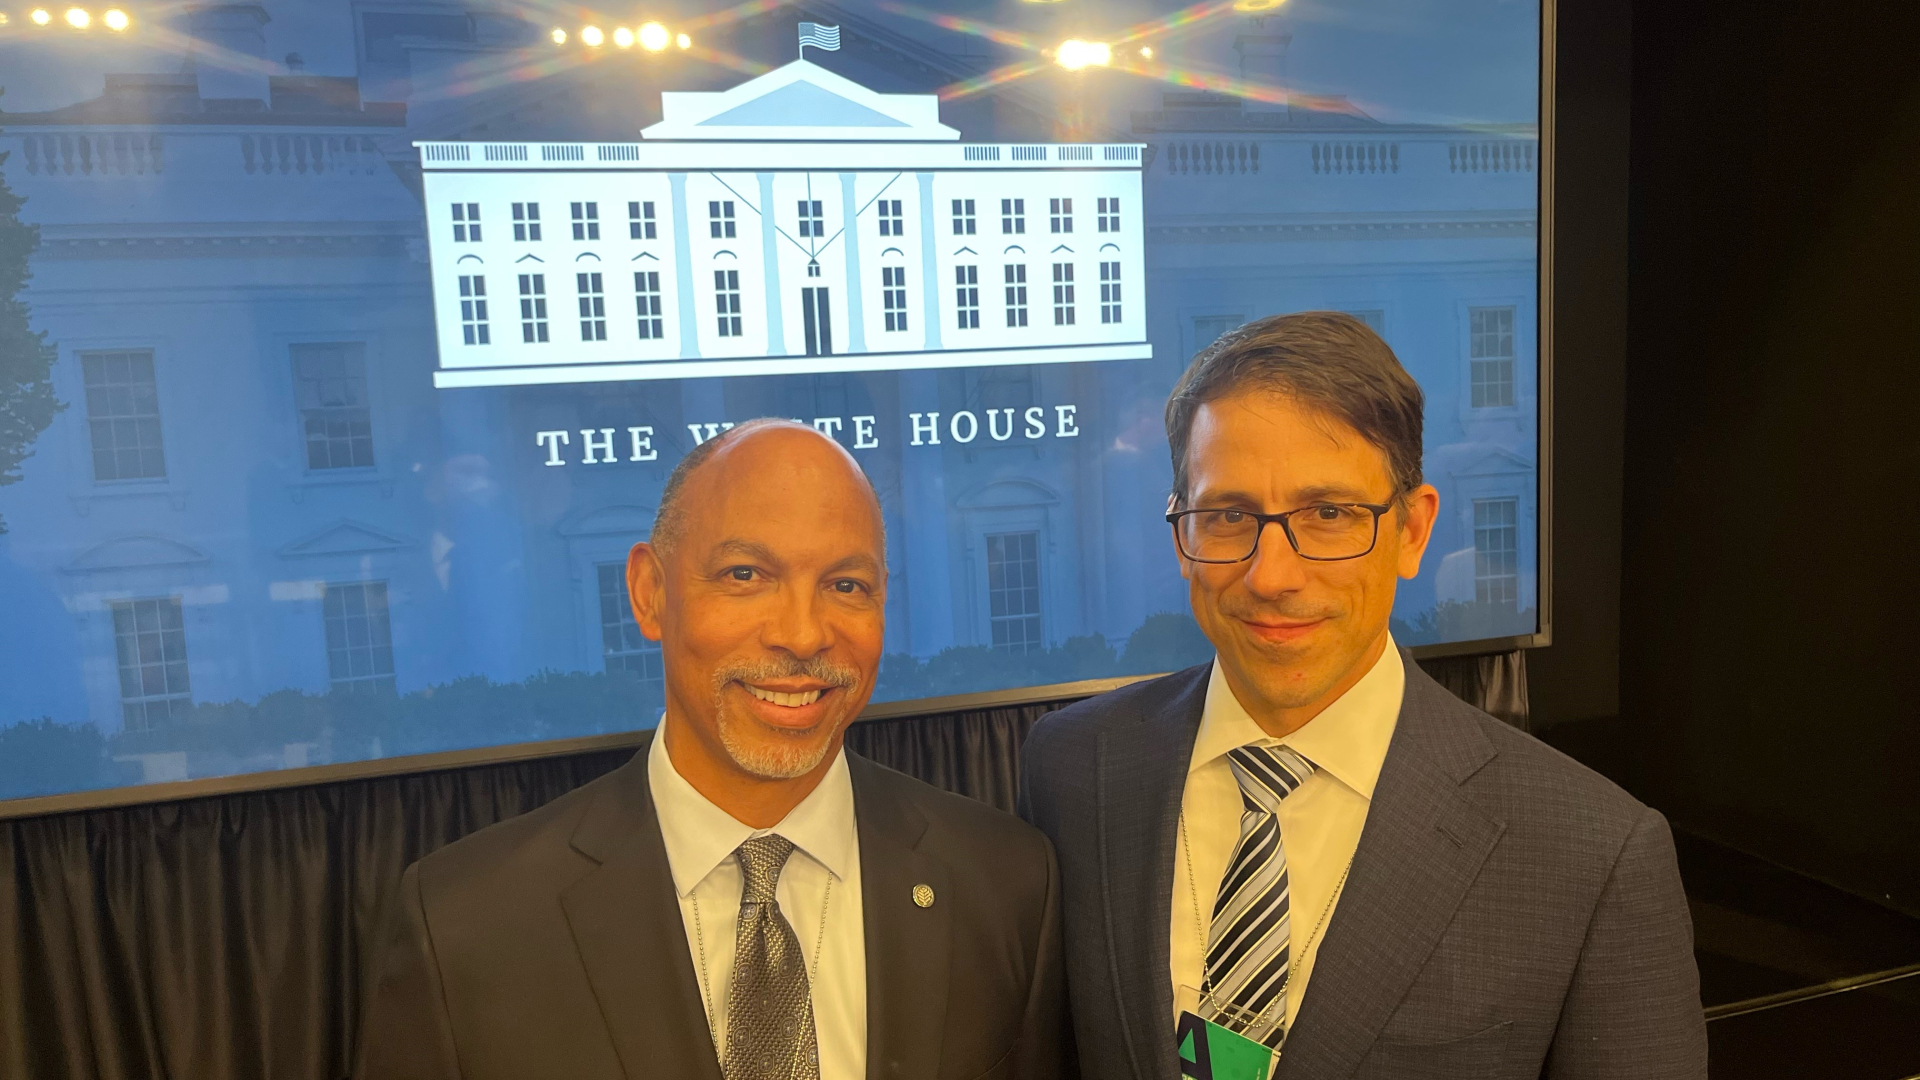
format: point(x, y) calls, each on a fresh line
point(1422, 847)
point(909, 947)
point(626, 923)
point(1142, 773)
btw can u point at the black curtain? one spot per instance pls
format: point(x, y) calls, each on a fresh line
point(221, 938)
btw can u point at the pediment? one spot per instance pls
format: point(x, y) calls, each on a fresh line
point(799, 100)
point(628, 520)
point(802, 104)
point(345, 537)
point(1002, 494)
point(137, 553)
point(1491, 461)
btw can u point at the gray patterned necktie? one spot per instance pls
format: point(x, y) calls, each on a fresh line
point(769, 1009)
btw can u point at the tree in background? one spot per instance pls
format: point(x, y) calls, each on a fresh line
point(27, 404)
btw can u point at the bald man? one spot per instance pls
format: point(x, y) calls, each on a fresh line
point(743, 900)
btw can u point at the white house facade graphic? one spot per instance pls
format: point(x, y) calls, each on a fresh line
point(798, 223)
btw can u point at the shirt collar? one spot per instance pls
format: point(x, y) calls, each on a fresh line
point(1348, 740)
point(700, 836)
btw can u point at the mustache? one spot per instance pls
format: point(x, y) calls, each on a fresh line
point(818, 668)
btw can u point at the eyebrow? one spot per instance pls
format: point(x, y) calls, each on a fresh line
point(857, 562)
point(746, 549)
point(1303, 496)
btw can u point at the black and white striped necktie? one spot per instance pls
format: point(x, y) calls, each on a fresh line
point(1247, 953)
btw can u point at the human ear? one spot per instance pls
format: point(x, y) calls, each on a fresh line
point(1422, 509)
point(647, 589)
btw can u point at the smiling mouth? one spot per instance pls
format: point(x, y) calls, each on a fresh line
point(787, 700)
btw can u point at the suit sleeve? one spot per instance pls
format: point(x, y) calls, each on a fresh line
point(1043, 1045)
point(1633, 1009)
point(407, 1034)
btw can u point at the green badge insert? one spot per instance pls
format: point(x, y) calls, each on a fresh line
point(1211, 1052)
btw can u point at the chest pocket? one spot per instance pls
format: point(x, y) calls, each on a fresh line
point(1474, 1057)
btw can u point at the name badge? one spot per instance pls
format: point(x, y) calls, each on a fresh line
point(1210, 1052)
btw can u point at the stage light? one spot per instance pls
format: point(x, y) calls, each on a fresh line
point(1250, 6)
point(559, 36)
point(4, 18)
point(115, 19)
point(78, 18)
point(40, 17)
point(1074, 54)
point(1146, 52)
point(653, 37)
point(683, 41)
point(592, 37)
point(623, 37)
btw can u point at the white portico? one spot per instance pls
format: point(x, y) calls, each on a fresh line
point(796, 223)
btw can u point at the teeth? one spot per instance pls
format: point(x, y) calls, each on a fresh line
point(791, 701)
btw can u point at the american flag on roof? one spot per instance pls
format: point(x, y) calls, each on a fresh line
point(819, 36)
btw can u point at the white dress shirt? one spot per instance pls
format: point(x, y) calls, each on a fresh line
point(701, 839)
point(1320, 822)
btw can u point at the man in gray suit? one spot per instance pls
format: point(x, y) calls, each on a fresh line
point(743, 899)
point(1310, 848)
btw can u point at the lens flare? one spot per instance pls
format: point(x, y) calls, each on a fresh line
point(41, 16)
point(683, 41)
point(559, 36)
point(1074, 54)
point(1251, 6)
point(592, 37)
point(623, 37)
point(1146, 52)
point(78, 18)
point(653, 37)
point(116, 19)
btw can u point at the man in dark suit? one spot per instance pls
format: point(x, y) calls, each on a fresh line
point(1310, 848)
point(743, 899)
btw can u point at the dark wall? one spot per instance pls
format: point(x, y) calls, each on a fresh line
point(1771, 449)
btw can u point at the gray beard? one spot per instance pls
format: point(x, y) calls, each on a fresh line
point(789, 754)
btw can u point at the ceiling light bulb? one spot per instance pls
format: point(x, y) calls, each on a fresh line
point(116, 19)
point(1074, 54)
point(592, 37)
point(78, 18)
point(3, 18)
point(683, 41)
point(559, 36)
point(653, 37)
point(1247, 6)
point(623, 37)
point(40, 17)
point(1146, 52)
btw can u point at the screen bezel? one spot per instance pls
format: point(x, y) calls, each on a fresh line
point(172, 791)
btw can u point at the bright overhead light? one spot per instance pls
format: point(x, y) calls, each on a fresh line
point(1074, 54)
point(559, 36)
point(1146, 52)
point(683, 41)
point(115, 19)
point(653, 37)
point(623, 37)
point(40, 16)
point(3, 18)
point(592, 37)
point(1256, 5)
point(78, 18)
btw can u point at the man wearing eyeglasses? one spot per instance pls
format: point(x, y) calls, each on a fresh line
point(1307, 856)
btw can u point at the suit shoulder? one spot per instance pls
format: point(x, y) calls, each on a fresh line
point(1084, 720)
point(1540, 790)
point(969, 820)
point(507, 854)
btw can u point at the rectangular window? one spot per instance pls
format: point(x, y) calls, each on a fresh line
point(1013, 216)
point(726, 295)
point(150, 640)
point(1109, 292)
point(473, 309)
point(893, 296)
point(123, 415)
point(1109, 214)
point(963, 219)
point(1490, 351)
point(1063, 294)
point(593, 307)
point(1496, 552)
point(330, 386)
point(640, 221)
point(466, 223)
point(622, 646)
point(1016, 294)
point(359, 638)
point(586, 221)
point(646, 295)
point(966, 296)
point(533, 307)
point(720, 219)
point(526, 221)
point(892, 221)
point(1060, 214)
point(812, 221)
point(1013, 591)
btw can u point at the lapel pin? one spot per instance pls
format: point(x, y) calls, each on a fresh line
point(923, 895)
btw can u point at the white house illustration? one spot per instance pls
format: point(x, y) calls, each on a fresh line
point(797, 223)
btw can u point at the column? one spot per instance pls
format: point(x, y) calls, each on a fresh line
point(770, 257)
point(929, 266)
point(850, 229)
point(683, 268)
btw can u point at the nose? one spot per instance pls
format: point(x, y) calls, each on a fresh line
point(799, 624)
point(1275, 569)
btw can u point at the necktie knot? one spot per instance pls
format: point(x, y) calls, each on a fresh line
point(1267, 774)
point(761, 860)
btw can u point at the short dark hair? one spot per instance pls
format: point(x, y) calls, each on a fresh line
point(670, 520)
point(1327, 360)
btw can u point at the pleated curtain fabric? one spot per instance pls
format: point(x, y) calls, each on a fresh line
point(225, 938)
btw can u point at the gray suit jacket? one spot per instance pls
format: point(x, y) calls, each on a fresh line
point(551, 945)
point(1509, 913)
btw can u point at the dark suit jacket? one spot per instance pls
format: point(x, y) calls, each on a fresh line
point(1509, 913)
point(551, 945)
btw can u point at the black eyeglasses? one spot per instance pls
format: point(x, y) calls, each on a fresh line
point(1322, 532)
